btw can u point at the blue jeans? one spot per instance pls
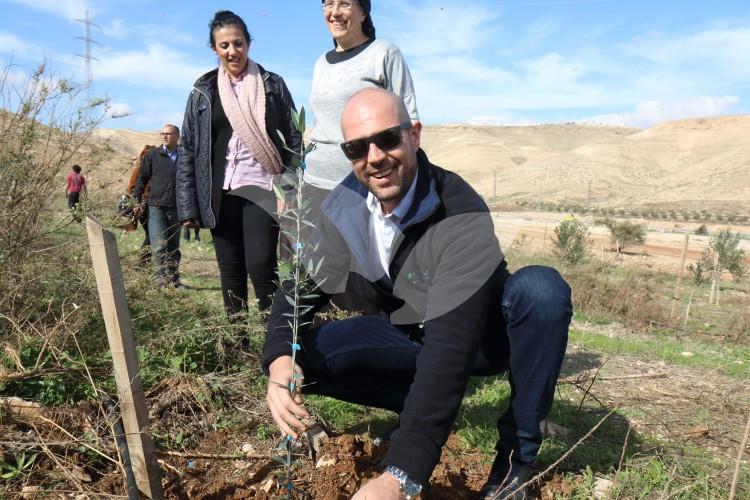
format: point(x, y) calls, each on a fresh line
point(164, 233)
point(344, 357)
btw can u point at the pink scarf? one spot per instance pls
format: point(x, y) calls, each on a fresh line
point(247, 115)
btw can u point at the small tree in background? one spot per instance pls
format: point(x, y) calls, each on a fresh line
point(730, 258)
point(623, 233)
point(571, 242)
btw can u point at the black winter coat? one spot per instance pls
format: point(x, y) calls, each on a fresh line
point(158, 171)
point(199, 180)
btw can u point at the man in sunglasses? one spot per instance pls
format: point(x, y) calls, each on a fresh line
point(425, 241)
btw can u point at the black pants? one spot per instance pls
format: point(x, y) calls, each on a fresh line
point(73, 201)
point(245, 239)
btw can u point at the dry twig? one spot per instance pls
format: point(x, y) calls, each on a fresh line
point(733, 490)
point(210, 456)
point(39, 373)
point(565, 455)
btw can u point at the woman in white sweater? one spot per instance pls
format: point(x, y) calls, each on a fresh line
point(358, 60)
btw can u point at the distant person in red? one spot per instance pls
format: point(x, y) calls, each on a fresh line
point(75, 184)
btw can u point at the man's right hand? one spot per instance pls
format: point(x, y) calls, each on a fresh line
point(191, 223)
point(286, 408)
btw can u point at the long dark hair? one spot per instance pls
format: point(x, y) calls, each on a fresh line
point(225, 18)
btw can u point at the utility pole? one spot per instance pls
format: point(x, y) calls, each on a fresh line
point(538, 195)
point(494, 188)
point(86, 56)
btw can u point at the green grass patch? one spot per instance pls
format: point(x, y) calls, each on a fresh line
point(341, 416)
point(486, 398)
point(730, 360)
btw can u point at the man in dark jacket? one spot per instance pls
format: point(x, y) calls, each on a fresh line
point(425, 242)
point(158, 171)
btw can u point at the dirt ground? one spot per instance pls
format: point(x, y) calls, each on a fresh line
point(672, 402)
point(668, 401)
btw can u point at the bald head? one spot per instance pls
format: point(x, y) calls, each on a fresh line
point(382, 143)
point(372, 105)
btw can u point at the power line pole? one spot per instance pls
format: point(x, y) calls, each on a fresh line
point(87, 57)
point(494, 188)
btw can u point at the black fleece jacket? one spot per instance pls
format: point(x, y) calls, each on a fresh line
point(158, 170)
point(444, 282)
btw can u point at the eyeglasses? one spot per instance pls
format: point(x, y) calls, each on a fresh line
point(329, 6)
point(387, 140)
point(167, 133)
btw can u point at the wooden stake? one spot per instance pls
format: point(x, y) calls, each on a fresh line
point(714, 279)
point(687, 310)
point(740, 451)
point(132, 400)
point(680, 272)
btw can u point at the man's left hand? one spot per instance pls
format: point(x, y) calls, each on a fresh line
point(383, 487)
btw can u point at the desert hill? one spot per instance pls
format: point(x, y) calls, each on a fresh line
point(688, 164)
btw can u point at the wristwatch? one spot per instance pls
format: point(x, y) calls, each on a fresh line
point(409, 488)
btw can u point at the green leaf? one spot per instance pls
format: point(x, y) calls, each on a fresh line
point(279, 192)
point(295, 118)
point(281, 136)
point(301, 120)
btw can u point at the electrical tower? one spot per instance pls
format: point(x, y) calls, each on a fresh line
point(87, 57)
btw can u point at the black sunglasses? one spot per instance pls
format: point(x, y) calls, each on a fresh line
point(387, 140)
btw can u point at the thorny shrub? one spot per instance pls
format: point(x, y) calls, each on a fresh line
point(44, 127)
point(571, 242)
point(633, 299)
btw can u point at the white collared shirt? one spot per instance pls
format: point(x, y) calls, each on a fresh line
point(383, 228)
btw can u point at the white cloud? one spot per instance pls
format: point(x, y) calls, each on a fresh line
point(552, 71)
point(727, 49)
point(16, 79)
point(70, 9)
point(649, 113)
point(11, 44)
point(147, 116)
point(120, 29)
point(119, 109)
point(158, 67)
point(437, 28)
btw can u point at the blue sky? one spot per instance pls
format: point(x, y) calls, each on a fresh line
point(473, 61)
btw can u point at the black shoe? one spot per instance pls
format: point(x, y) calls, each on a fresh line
point(506, 476)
